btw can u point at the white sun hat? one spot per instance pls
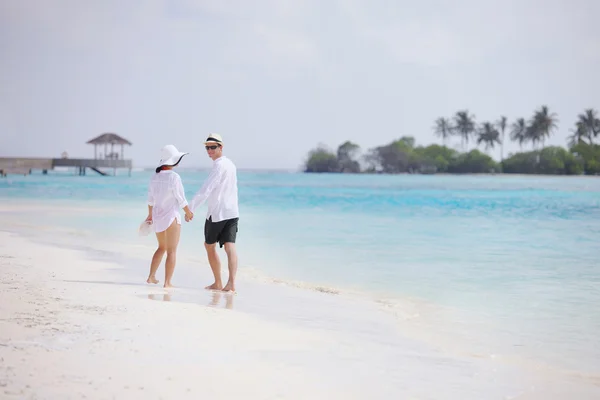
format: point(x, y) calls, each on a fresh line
point(169, 155)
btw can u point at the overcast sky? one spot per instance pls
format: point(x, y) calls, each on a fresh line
point(275, 78)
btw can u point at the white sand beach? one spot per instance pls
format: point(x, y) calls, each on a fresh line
point(75, 327)
point(62, 339)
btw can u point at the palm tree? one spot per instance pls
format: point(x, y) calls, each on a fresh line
point(578, 135)
point(532, 134)
point(464, 125)
point(542, 125)
point(518, 132)
point(502, 126)
point(443, 128)
point(589, 124)
point(488, 135)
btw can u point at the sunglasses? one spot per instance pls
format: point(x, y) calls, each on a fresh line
point(211, 147)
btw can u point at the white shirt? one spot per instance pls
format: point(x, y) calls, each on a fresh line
point(219, 191)
point(166, 196)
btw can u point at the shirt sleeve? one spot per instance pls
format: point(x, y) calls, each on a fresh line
point(150, 196)
point(179, 192)
point(209, 185)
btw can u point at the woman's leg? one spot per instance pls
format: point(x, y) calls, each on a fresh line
point(158, 255)
point(172, 241)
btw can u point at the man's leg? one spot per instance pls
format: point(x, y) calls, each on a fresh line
point(215, 265)
point(211, 233)
point(232, 261)
point(228, 238)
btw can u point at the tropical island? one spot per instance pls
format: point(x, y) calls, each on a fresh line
point(581, 156)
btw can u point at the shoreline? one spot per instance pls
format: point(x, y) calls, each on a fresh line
point(85, 317)
point(417, 317)
point(488, 174)
point(187, 170)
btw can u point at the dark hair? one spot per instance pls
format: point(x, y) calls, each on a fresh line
point(158, 169)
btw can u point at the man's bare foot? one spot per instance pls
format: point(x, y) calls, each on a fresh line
point(230, 287)
point(152, 280)
point(215, 286)
point(168, 285)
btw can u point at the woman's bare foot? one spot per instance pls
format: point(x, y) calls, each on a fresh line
point(168, 285)
point(230, 287)
point(152, 280)
point(215, 286)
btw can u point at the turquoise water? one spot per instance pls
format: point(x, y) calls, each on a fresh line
point(511, 256)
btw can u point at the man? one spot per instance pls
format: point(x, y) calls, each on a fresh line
point(221, 225)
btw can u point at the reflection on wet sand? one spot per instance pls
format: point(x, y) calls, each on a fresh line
point(163, 297)
point(216, 298)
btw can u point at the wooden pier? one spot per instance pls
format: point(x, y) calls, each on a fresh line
point(24, 166)
point(107, 160)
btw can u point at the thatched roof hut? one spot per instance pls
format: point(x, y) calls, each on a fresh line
point(106, 139)
point(109, 138)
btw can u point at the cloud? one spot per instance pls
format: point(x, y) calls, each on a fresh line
point(270, 34)
point(241, 10)
point(409, 35)
point(440, 33)
point(287, 45)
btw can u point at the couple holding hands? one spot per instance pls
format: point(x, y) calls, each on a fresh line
point(166, 197)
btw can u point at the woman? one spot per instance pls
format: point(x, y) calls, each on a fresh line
point(165, 197)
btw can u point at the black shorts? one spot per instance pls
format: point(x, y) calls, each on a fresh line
point(222, 231)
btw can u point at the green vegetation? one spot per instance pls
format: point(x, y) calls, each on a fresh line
point(322, 160)
point(403, 155)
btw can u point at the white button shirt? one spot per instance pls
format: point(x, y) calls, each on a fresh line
point(167, 197)
point(219, 191)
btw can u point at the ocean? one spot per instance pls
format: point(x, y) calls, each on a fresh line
point(487, 265)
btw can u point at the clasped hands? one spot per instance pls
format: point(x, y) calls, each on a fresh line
point(189, 216)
